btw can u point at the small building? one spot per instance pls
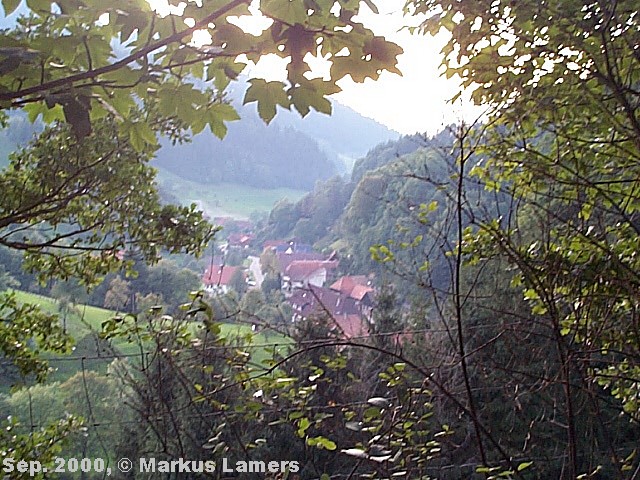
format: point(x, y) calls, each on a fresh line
point(274, 244)
point(359, 288)
point(217, 279)
point(240, 240)
point(342, 311)
point(302, 273)
point(285, 259)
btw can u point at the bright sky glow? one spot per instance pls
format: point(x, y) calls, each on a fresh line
point(417, 101)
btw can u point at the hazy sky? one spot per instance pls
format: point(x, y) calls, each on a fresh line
point(417, 101)
point(413, 102)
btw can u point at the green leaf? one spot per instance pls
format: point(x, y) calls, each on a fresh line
point(217, 115)
point(291, 11)
point(322, 442)
point(131, 21)
point(233, 38)
point(524, 465)
point(140, 135)
point(268, 95)
point(49, 115)
point(303, 425)
point(39, 5)
point(312, 95)
point(352, 66)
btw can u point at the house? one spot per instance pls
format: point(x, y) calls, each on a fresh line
point(240, 240)
point(350, 326)
point(287, 246)
point(317, 300)
point(285, 259)
point(294, 247)
point(339, 308)
point(274, 244)
point(359, 288)
point(345, 284)
point(302, 273)
point(217, 279)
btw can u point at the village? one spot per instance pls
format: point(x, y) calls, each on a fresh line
point(309, 281)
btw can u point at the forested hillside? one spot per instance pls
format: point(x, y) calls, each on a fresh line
point(252, 153)
point(290, 152)
point(345, 135)
point(388, 187)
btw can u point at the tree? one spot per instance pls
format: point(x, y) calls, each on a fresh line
point(68, 295)
point(118, 296)
point(171, 282)
point(271, 283)
point(71, 290)
point(237, 282)
point(59, 61)
point(74, 207)
point(269, 263)
point(6, 279)
point(87, 395)
point(563, 141)
point(250, 304)
point(108, 77)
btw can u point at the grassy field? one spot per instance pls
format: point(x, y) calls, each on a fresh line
point(225, 199)
point(87, 319)
point(80, 323)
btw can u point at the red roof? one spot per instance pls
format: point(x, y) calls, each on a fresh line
point(240, 239)
point(220, 275)
point(275, 243)
point(359, 292)
point(303, 269)
point(284, 259)
point(350, 326)
point(356, 286)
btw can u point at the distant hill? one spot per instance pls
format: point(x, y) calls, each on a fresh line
point(345, 135)
point(391, 151)
point(252, 154)
point(18, 133)
point(291, 152)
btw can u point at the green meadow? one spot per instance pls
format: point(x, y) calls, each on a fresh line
point(225, 199)
point(89, 354)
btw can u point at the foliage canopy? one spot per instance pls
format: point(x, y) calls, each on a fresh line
point(80, 60)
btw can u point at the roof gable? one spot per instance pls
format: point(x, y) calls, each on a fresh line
point(300, 270)
point(218, 275)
